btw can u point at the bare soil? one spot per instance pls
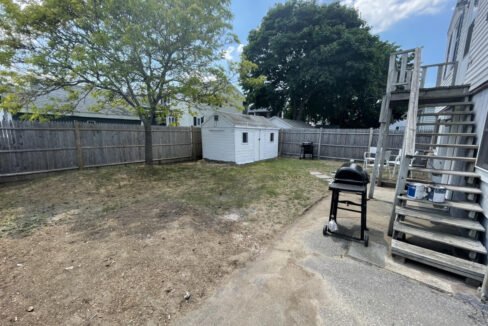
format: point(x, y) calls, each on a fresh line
point(140, 246)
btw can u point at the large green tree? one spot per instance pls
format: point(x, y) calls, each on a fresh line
point(317, 62)
point(137, 53)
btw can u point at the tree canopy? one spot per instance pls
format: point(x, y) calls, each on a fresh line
point(137, 53)
point(317, 62)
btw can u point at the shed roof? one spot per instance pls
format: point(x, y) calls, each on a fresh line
point(292, 123)
point(243, 120)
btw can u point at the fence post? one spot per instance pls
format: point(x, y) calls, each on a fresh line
point(79, 150)
point(370, 140)
point(320, 144)
point(281, 136)
point(192, 144)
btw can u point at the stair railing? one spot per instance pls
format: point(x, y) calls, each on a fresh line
point(408, 149)
point(400, 73)
point(443, 75)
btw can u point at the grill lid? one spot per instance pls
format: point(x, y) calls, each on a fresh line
point(351, 173)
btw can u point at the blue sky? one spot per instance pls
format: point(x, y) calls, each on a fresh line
point(408, 23)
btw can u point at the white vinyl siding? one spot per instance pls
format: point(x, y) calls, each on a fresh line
point(472, 66)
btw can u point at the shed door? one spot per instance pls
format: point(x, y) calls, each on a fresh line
point(257, 142)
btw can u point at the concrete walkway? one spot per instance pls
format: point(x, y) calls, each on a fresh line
point(308, 279)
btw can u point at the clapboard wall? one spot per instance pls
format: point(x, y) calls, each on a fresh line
point(35, 147)
point(342, 144)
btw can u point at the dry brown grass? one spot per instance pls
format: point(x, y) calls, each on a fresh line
point(123, 244)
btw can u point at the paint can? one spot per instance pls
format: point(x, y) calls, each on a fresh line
point(439, 194)
point(416, 191)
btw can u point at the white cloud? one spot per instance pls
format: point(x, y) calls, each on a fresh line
point(240, 48)
point(233, 53)
point(228, 53)
point(382, 14)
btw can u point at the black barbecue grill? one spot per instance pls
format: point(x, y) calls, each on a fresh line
point(349, 178)
point(306, 149)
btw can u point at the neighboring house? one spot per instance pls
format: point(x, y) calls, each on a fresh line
point(288, 123)
point(238, 138)
point(183, 115)
point(196, 115)
point(82, 113)
point(262, 112)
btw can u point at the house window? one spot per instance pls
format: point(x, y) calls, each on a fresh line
point(172, 121)
point(201, 119)
point(195, 121)
point(468, 38)
point(216, 118)
point(482, 161)
point(244, 137)
point(271, 137)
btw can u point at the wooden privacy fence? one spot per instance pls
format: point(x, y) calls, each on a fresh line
point(341, 144)
point(34, 147)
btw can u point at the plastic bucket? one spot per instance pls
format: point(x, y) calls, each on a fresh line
point(416, 191)
point(439, 194)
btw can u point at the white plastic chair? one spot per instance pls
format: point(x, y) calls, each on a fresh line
point(397, 161)
point(369, 157)
point(386, 161)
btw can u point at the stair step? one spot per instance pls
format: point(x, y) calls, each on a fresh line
point(461, 123)
point(439, 260)
point(435, 217)
point(430, 105)
point(448, 145)
point(468, 190)
point(444, 238)
point(451, 158)
point(467, 206)
point(460, 134)
point(444, 113)
point(448, 172)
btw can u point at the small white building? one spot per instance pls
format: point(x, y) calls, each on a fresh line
point(238, 138)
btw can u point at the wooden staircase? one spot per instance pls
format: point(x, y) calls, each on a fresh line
point(442, 146)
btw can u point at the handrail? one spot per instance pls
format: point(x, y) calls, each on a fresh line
point(403, 52)
point(440, 73)
point(439, 64)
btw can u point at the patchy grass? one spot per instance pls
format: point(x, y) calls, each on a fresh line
point(119, 244)
point(211, 189)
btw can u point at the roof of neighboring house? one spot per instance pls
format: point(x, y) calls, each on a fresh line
point(244, 120)
point(290, 123)
point(83, 108)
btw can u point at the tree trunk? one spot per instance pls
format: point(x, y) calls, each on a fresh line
point(300, 112)
point(148, 149)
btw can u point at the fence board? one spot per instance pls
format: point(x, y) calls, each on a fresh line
point(342, 144)
point(33, 147)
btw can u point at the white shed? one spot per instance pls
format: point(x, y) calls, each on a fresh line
point(238, 138)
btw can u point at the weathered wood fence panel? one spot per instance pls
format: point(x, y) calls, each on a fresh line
point(34, 147)
point(343, 144)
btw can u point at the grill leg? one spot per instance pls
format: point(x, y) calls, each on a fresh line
point(333, 205)
point(363, 215)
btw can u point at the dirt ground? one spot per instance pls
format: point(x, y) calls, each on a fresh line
point(139, 246)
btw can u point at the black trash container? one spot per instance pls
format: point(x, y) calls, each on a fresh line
point(307, 149)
